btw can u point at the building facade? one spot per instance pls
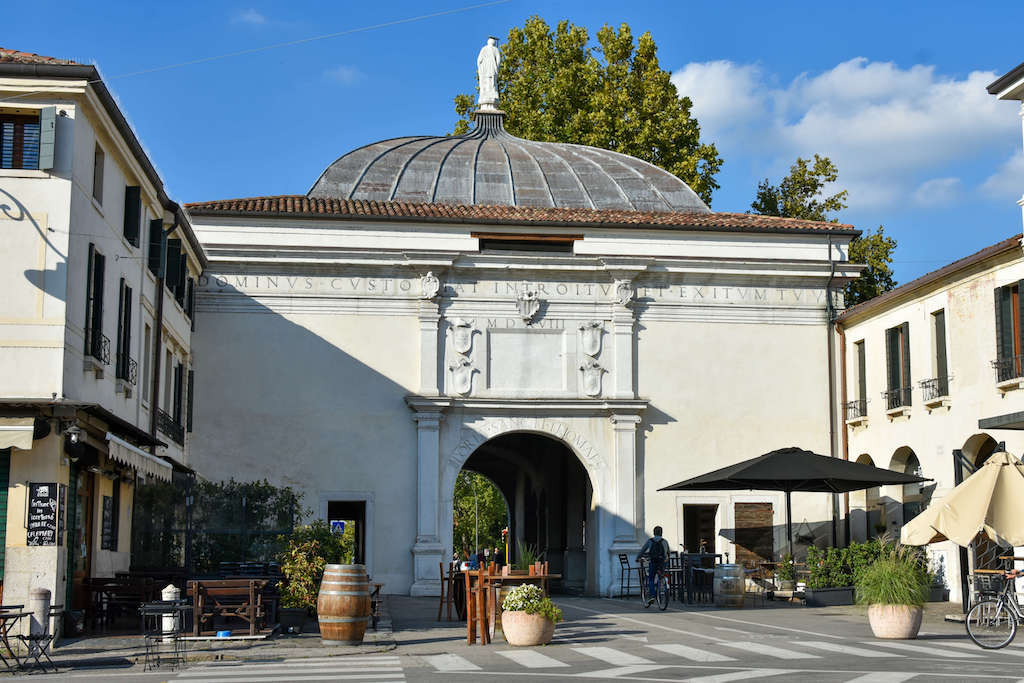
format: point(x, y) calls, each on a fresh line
point(96, 323)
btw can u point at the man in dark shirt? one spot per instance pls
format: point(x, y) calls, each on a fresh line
point(656, 549)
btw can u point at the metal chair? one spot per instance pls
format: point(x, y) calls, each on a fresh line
point(626, 576)
point(36, 644)
point(156, 633)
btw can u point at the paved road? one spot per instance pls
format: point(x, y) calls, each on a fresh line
point(613, 639)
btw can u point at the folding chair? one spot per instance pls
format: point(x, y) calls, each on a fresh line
point(36, 643)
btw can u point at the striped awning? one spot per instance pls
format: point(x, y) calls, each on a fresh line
point(123, 452)
point(16, 432)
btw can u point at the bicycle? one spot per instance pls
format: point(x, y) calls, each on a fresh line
point(992, 623)
point(661, 588)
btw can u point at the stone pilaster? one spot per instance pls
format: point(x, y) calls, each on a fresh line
point(429, 317)
point(427, 550)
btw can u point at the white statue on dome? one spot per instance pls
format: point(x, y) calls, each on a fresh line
point(487, 73)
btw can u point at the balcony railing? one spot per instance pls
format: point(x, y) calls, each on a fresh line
point(897, 398)
point(1008, 368)
point(98, 346)
point(127, 369)
point(166, 424)
point(934, 388)
point(857, 408)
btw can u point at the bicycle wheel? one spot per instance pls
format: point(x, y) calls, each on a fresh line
point(643, 591)
point(662, 592)
point(991, 625)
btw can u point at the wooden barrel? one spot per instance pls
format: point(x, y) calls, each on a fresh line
point(343, 605)
point(730, 580)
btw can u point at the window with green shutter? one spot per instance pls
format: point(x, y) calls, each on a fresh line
point(19, 141)
point(897, 361)
point(157, 247)
point(132, 213)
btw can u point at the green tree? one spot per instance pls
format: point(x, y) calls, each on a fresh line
point(476, 494)
point(800, 195)
point(557, 87)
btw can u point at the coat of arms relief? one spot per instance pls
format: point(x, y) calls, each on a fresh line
point(461, 334)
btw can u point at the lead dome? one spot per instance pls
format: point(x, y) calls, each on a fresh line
point(490, 166)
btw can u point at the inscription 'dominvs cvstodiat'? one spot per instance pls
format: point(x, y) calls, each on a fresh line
point(290, 285)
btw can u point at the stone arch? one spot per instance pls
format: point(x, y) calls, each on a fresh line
point(866, 507)
point(910, 499)
point(504, 494)
point(979, 448)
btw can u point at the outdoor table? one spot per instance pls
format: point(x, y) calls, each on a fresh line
point(8, 620)
point(488, 614)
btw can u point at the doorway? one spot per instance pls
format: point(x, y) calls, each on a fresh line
point(699, 527)
point(755, 534)
point(351, 512)
point(550, 504)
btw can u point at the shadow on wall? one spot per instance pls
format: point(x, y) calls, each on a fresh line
point(52, 282)
point(769, 543)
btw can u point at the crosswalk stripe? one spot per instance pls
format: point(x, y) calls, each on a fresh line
point(612, 656)
point(248, 670)
point(620, 671)
point(346, 658)
point(846, 649)
point(531, 659)
point(922, 649)
point(883, 677)
point(771, 651)
point(746, 675)
point(692, 653)
point(450, 662)
point(968, 645)
point(327, 677)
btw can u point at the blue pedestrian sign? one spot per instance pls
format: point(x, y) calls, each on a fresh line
point(337, 526)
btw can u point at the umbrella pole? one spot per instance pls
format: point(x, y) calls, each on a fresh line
point(789, 522)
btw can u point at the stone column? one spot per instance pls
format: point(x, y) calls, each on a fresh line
point(427, 551)
point(429, 317)
point(628, 495)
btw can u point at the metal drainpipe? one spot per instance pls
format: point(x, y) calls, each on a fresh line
point(830, 345)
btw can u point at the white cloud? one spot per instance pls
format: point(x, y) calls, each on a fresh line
point(344, 74)
point(937, 192)
point(1008, 181)
point(249, 16)
point(892, 132)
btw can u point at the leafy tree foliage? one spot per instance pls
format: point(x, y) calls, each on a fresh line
point(476, 494)
point(800, 195)
point(557, 87)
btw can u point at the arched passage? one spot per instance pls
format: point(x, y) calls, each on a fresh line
point(866, 508)
point(550, 499)
point(911, 499)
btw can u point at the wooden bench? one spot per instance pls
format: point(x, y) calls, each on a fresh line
point(231, 598)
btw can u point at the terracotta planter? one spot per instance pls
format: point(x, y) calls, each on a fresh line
point(897, 622)
point(522, 629)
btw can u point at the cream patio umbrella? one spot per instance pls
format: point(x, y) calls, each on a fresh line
point(991, 501)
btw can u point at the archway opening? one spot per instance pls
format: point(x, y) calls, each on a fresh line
point(986, 552)
point(480, 512)
point(867, 508)
point(550, 504)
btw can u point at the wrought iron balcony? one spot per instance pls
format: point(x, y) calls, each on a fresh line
point(166, 424)
point(1008, 368)
point(935, 388)
point(897, 398)
point(127, 369)
point(856, 408)
point(98, 346)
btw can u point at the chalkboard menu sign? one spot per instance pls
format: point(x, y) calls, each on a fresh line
point(107, 528)
point(42, 514)
point(62, 504)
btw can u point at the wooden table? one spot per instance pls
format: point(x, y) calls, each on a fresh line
point(241, 598)
point(482, 591)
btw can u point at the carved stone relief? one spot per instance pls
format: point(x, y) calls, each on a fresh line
point(462, 335)
point(592, 372)
point(528, 301)
point(462, 374)
point(429, 286)
point(625, 292)
point(590, 333)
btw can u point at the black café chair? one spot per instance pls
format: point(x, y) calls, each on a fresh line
point(626, 576)
point(36, 644)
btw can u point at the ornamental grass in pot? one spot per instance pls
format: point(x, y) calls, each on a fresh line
point(895, 588)
point(528, 616)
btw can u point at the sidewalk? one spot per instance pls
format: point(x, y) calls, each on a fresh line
point(127, 651)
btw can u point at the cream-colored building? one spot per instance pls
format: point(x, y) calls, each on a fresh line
point(98, 276)
point(573, 323)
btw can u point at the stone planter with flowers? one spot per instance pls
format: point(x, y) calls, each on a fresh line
point(528, 616)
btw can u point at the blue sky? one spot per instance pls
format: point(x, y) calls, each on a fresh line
point(893, 92)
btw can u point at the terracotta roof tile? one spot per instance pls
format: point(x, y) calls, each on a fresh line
point(303, 206)
point(18, 57)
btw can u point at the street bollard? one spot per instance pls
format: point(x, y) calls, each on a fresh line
point(39, 606)
point(169, 621)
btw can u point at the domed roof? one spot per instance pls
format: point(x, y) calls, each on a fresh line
point(489, 166)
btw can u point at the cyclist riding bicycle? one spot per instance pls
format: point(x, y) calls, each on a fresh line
point(656, 550)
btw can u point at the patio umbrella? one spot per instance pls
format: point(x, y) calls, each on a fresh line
point(794, 469)
point(991, 501)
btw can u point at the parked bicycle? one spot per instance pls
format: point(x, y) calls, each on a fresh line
point(661, 588)
point(992, 623)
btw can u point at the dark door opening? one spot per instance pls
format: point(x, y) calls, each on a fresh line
point(699, 527)
point(351, 512)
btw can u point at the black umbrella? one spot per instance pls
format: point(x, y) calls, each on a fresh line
point(794, 469)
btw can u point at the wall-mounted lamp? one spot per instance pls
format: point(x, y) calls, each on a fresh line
point(74, 434)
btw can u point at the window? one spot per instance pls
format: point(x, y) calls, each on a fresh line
point(176, 270)
point(859, 406)
point(168, 378)
point(939, 384)
point(1008, 332)
point(132, 213)
point(157, 247)
point(190, 300)
point(123, 366)
point(179, 389)
point(98, 162)
point(19, 141)
point(188, 404)
point(147, 350)
point(517, 242)
point(897, 357)
point(96, 345)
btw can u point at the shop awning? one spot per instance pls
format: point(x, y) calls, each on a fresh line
point(127, 454)
point(16, 432)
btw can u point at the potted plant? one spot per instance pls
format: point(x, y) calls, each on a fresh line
point(830, 582)
point(786, 573)
point(528, 616)
point(308, 549)
point(895, 588)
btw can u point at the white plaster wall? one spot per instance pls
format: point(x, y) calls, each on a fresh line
point(314, 402)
